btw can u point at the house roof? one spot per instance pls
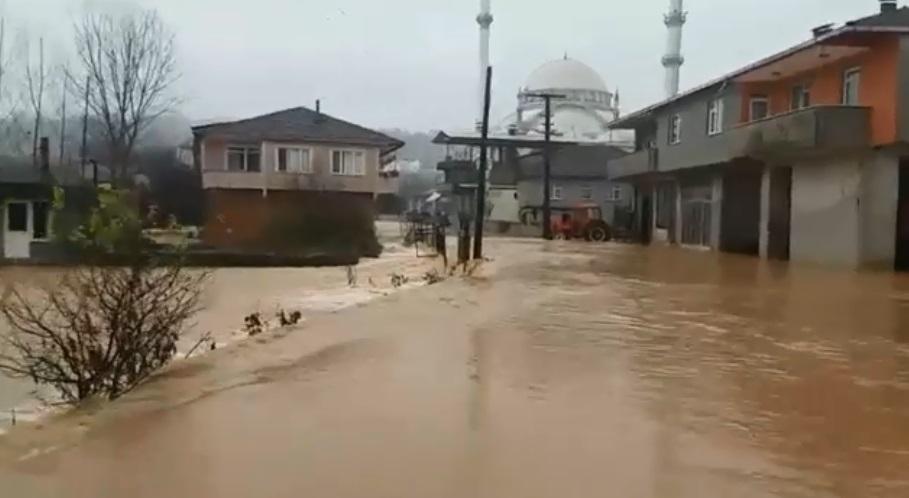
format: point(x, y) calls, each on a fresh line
point(896, 17)
point(473, 138)
point(581, 161)
point(297, 125)
point(20, 172)
point(896, 21)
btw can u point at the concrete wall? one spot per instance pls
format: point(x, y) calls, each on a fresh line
point(844, 210)
point(215, 174)
point(879, 200)
point(243, 218)
point(826, 211)
point(902, 85)
point(697, 148)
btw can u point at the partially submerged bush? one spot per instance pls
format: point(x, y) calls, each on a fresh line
point(326, 223)
point(102, 330)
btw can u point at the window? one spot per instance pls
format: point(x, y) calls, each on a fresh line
point(851, 81)
point(715, 117)
point(348, 162)
point(556, 193)
point(586, 192)
point(801, 97)
point(616, 194)
point(41, 213)
point(293, 160)
point(759, 108)
point(17, 217)
point(243, 159)
point(675, 129)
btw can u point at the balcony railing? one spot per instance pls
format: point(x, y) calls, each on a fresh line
point(806, 132)
point(638, 163)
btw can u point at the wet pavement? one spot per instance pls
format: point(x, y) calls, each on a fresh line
point(563, 369)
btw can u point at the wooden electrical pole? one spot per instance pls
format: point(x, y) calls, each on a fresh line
point(547, 162)
point(481, 184)
point(88, 83)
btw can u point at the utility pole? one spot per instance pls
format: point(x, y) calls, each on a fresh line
point(63, 125)
point(547, 160)
point(88, 82)
point(481, 184)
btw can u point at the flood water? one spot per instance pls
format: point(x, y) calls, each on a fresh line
point(561, 369)
point(230, 295)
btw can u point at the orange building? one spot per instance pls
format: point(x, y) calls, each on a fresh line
point(802, 155)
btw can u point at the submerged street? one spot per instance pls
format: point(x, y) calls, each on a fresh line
point(560, 369)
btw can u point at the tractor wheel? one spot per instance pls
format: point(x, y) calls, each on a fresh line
point(598, 232)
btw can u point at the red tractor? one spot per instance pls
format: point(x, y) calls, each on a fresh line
point(584, 221)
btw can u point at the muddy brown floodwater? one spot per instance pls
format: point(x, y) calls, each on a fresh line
point(560, 370)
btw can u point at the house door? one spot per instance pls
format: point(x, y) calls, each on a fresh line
point(697, 204)
point(779, 223)
point(645, 221)
point(902, 219)
point(17, 234)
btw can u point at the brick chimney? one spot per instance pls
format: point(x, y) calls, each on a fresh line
point(888, 6)
point(44, 154)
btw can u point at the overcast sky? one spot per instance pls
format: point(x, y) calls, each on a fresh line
point(413, 63)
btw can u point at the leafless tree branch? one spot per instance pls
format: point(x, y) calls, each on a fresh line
point(129, 66)
point(101, 331)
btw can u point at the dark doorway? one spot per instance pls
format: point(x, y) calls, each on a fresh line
point(17, 217)
point(779, 223)
point(741, 218)
point(645, 220)
point(902, 219)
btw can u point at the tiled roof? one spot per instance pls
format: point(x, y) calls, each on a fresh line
point(296, 125)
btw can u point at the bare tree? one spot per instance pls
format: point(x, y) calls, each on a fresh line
point(64, 71)
point(12, 127)
point(100, 331)
point(129, 65)
point(36, 78)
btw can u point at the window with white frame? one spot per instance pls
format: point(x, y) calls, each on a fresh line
point(851, 80)
point(348, 162)
point(715, 117)
point(616, 194)
point(293, 160)
point(675, 129)
point(800, 98)
point(758, 108)
point(587, 192)
point(556, 193)
point(243, 158)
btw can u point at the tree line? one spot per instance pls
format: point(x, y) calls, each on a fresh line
point(118, 79)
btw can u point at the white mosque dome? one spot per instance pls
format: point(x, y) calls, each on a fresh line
point(565, 74)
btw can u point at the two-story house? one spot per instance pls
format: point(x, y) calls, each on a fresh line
point(802, 155)
point(257, 168)
point(578, 177)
